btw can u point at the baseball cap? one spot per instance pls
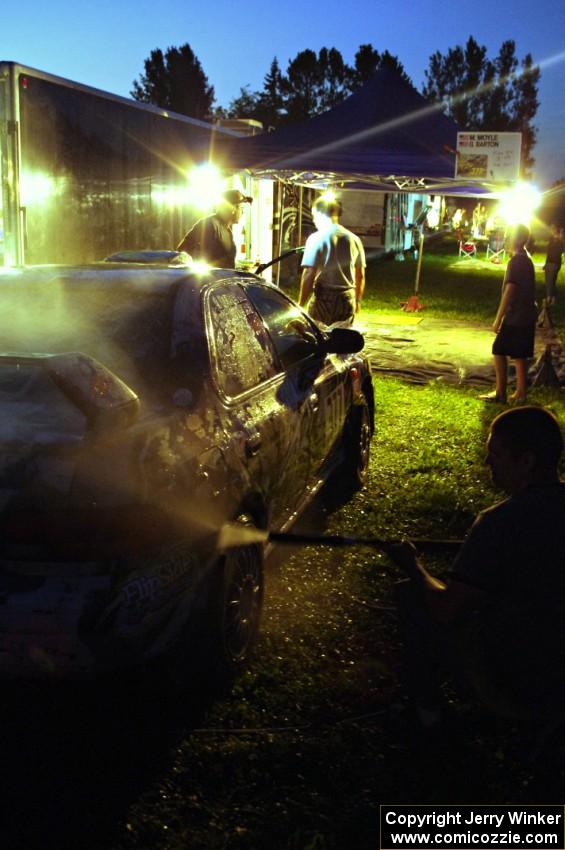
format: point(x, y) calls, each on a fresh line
point(235, 197)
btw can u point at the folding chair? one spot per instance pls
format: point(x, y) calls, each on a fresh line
point(495, 247)
point(467, 249)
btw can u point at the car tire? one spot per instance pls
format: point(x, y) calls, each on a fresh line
point(229, 627)
point(356, 448)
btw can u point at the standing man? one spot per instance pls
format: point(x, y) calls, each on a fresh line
point(515, 322)
point(210, 239)
point(553, 263)
point(333, 267)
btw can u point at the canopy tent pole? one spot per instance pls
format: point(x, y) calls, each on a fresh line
point(419, 266)
point(300, 200)
point(413, 305)
point(281, 212)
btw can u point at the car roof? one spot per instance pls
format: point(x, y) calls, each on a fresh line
point(152, 278)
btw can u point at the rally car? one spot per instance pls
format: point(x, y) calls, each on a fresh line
point(142, 405)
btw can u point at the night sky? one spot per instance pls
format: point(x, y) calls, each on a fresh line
point(104, 44)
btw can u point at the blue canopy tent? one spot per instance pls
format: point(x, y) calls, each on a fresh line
point(385, 136)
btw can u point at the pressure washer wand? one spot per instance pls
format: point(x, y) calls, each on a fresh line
point(236, 534)
point(344, 540)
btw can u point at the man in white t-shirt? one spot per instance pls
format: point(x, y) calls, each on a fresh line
point(333, 267)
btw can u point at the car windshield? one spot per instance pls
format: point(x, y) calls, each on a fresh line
point(127, 329)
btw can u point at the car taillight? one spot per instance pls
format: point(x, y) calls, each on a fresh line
point(356, 381)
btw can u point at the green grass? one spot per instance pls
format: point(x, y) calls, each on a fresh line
point(449, 288)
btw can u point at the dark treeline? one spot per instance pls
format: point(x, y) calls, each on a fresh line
point(479, 92)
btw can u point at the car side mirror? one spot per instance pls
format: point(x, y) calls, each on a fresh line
point(344, 341)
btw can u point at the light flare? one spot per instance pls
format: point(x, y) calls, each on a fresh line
point(517, 205)
point(36, 188)
point(205, 186)
point(200, 267)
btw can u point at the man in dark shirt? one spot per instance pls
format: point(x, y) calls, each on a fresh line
point(498, 623)
point(210, 240)
point(515, 322)
point(553, 263)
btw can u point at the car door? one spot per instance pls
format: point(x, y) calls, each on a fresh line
point(313, 381)
point(248, 379)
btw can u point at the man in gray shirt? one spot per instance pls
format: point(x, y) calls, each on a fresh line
point(333, 267)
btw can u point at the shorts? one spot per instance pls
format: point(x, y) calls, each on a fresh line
point(332, 306)
point(515, 341)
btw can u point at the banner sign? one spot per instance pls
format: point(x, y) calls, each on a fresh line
point(488, 156)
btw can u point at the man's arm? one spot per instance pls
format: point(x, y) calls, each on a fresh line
point(359, 286)
point(445, 602)
point(506, 299)
point(306, 285)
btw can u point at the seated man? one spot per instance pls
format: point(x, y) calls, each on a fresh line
point(498, 624)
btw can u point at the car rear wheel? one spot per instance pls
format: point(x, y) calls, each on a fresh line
point(356, 448)
point(229, 627)
point(241, 603)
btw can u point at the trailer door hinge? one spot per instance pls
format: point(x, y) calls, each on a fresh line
point(12, 127)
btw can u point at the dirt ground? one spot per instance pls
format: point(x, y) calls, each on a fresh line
point(420, 348)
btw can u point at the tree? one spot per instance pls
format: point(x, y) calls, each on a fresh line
point(312, 84)
point(368, 61)
point(272, 106)
point(301, 86)
point(245, 105)
point(266, 105)
point(484, 94)
point(334, 79)
point(175, 81)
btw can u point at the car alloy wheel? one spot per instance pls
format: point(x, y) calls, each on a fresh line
point(242, 602)
point(357, 448)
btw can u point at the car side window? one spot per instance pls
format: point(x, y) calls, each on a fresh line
point(294, 336)
point(242, 353)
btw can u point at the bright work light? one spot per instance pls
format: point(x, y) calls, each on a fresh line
point(329, 195)
point(517, 205)
point(36, 188)
point(205, 186)
point(170, 196)
point(200, 267)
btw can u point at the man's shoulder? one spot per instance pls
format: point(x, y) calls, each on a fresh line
point(346, 232)
point(211, 221)
point(202, 224)
point(520, 260)
point(314, 241)
point(525, 501)
point(495, 512)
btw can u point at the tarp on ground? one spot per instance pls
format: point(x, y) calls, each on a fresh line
point(384, 134)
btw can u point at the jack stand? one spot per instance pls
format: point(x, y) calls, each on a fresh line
point(545, 376)
point(544, 318)
point(412, 305)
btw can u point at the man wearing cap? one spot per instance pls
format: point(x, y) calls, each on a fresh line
point(211, 239)
point(333, 267)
